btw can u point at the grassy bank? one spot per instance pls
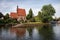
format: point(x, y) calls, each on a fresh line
point(35, 23)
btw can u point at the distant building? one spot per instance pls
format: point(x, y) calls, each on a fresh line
point(20, 14)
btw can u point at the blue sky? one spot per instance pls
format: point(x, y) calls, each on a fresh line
point(7, 6)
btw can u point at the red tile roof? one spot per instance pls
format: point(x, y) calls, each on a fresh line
point(21, 12)
point(14, 15)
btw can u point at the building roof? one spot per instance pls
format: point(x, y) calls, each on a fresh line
point(14, 15)
point(21, 12)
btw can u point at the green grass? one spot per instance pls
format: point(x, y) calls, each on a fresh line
point(37, 19)
point(33, 23)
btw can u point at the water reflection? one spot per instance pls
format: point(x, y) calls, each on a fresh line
point(6, 35)
point(20, 32)
point(57, 31)
point(0, 34)
point(44, 32)
point(30, 32)
point(47, 32)
point(35, 34)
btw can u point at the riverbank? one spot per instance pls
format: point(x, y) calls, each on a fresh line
point(23, 25)
point(9, 24)
point(30, 24)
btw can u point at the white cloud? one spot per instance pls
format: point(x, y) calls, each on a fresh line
point(6, 7)
point(57, 8)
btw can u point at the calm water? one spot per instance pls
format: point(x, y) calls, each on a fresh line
point(44, 32)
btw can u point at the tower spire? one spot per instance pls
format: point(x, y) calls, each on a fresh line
point(17, 8)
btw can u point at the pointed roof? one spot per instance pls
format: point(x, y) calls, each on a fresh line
point(21, 12)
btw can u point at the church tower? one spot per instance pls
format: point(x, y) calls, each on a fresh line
point(17, 8)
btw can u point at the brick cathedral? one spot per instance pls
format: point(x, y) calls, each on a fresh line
point(20, 14)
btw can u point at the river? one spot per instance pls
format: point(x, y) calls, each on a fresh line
point(44, 32)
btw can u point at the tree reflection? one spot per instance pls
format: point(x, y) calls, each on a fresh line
point(30, 32)
point(47, 32)
point(0, 31)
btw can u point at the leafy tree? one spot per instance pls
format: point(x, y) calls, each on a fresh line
point(40, 15)
point(47, 12)
point(1, 15)
point(6, 16)
point(2, 21)
point(30, 15)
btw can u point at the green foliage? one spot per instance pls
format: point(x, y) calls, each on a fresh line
point(6, 16)
point(14, 21)
point(40, 15)
point(1, 15)
point(30, 15)
point(37, 19)
point(32, 20)
point(10, 20)
point(47, 12)
point(2, 21)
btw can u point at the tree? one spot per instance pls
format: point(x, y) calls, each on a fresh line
point(1, 15)
point(1, 20)
point(40, 15)
point(47, 12)
point(30, 15)
point(32, 19)
point(6, 16)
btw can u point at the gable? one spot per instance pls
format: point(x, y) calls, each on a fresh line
point(21, 12)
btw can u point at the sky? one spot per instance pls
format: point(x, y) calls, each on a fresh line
point(7, 6)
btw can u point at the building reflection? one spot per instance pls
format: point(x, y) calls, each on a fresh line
point(20, 32)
